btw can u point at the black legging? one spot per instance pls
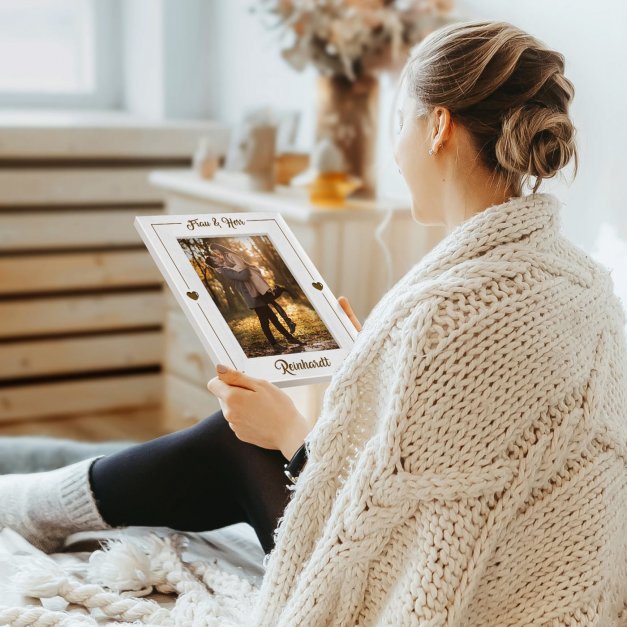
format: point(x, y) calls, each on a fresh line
point(196, 479)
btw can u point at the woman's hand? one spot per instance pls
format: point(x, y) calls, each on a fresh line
point(345, 305)
point(259, 412)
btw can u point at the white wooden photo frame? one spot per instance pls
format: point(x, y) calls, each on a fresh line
point(235, 275)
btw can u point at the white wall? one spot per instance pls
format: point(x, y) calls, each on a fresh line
point(250, 71)
point(143, 58)
point(169, 55)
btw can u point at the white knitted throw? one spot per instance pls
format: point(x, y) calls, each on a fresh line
point(468, 467)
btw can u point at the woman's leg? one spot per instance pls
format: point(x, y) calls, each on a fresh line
point(275, 321)
point(196, 479)
point(283, 314)
point(279, 289)
point(262, 314)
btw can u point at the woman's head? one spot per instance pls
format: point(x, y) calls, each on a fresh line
point(218, 250)
point(491, 102)
point(212, 261)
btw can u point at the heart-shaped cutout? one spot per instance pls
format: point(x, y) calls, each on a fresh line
point(193, 295)
point(317, 285)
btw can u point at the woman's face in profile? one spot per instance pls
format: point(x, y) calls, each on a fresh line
point(411, 153)
point(428, 177)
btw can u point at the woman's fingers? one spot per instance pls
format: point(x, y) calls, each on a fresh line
point(234, 378)
point(225, 388)
point(349, 311)
point(218, 387)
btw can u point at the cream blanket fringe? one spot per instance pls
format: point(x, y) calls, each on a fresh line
point(120, 574)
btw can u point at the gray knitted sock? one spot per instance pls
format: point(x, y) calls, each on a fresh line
point(46, 507)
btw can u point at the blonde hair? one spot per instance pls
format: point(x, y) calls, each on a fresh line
point(506, 88)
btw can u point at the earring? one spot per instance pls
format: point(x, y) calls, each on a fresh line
point(430, 151)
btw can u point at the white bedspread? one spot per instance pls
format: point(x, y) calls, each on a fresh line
point(236, 549)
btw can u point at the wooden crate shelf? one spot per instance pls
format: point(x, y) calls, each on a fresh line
point(81, 301)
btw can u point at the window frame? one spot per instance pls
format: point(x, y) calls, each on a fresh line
point(108, 90)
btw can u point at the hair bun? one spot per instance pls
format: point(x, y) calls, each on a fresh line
point(535, 140)
point(507, 89)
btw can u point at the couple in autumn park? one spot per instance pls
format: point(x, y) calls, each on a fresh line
point(255, 291)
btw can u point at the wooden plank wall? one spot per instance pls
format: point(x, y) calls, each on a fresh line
point(81, 302)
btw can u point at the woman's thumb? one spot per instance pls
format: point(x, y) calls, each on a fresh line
point(349, 311)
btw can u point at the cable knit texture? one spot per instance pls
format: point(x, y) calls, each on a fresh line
point(468, 467)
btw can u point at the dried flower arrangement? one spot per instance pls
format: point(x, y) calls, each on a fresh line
point(352, 38)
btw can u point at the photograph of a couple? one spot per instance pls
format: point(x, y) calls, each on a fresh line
point(258, 296)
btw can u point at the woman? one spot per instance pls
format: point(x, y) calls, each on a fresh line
point(248, 289)
point(468, 464)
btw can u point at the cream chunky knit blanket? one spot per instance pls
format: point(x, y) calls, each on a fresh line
point(469, 464)
point(468, 467)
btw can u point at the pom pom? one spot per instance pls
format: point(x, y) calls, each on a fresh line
point(123, 564)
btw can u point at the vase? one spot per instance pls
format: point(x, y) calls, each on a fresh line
point(347, 111)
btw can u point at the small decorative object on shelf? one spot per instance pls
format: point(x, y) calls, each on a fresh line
point(262, 150)
point(326, 179)
point(206, 158)
point(250, 157)
point(289, 160)
point(350, 42)
point(287, 165)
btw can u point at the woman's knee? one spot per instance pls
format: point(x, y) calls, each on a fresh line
point(214, 421)
point(212, 432)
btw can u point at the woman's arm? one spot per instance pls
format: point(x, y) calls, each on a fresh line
point(295, 437)
point(236, 275)
point(237, 262)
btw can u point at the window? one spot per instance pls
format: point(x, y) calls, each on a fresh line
point(59, 52)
